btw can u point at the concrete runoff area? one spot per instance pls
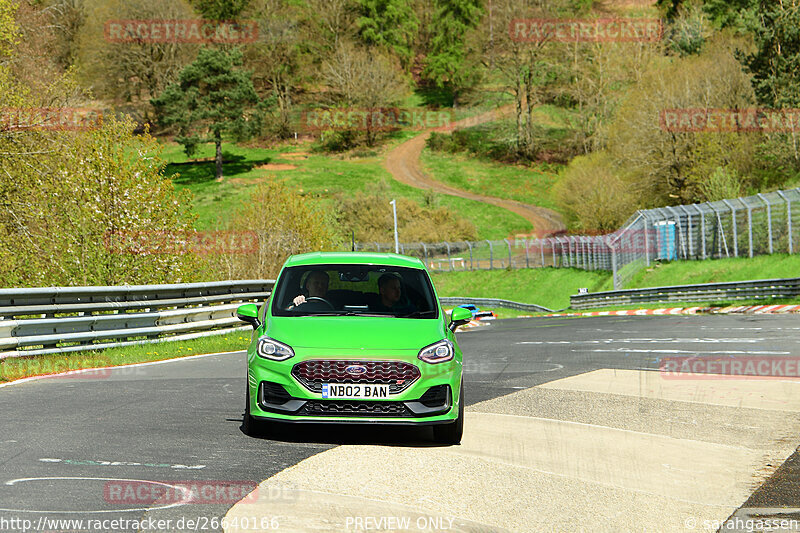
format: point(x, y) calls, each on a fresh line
point(606, 450)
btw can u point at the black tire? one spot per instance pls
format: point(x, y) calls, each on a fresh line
point(251, 426)
point(451, 433)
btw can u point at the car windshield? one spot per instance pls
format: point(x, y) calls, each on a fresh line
point(355, 290)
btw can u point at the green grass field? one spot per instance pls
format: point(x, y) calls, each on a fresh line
point(551, 287)
point(315, 175)
point(493, 179)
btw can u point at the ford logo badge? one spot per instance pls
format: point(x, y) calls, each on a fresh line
point(356, 370)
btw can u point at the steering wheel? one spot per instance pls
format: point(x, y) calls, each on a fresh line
point(317, 298)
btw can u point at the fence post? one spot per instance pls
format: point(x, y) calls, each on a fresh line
point(508, 243)
point(402, 249)
point(735, 231)
point(491, 255)
point(614, 267)
point(788, 219)
point(646, 242)
point(769, 220)
point(424, 253)
point(749, 227)
point(541, 250)
point(569, 251)
point(553, 249)
point(469, 245)
point(702, 229)
point(377, 247)
point(527, 259)
point(449, 261)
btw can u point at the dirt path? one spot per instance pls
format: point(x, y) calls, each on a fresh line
point(404, 164)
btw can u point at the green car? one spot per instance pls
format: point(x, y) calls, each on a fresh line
point(354, 338)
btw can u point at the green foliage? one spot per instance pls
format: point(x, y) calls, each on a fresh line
point(594, 195)
point(370, 216)
point(285, 222)
point(220, 9)
point(8, 28)
point(721, 184)
point(68, 209)
point(446, 65)
point(776, 63)
point(689, 30)
point(213, 97)
point(391, 23)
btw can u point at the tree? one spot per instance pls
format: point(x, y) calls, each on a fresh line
point(130, 74)
point(659, 161)
point(525, 69)
point(279, 60)
point(220, 9)
point(212, 97)
point(776, 63)
point(390, 23)
point(367, 81)
point(447, 63)
point(285, 222)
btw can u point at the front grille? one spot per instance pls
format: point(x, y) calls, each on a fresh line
point(398, 375)
point(354, 408)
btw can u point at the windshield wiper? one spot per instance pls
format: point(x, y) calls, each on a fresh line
point(416, 314)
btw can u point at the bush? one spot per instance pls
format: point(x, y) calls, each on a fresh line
point(370, 217)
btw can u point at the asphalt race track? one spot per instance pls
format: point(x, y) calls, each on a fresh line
point(569, 428)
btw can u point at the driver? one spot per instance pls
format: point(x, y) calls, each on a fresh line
point(316, 286)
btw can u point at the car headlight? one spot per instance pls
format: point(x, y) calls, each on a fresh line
point(273, 350)
point(438, 352)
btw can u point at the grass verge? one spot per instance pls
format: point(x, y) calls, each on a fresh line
point(13, 368)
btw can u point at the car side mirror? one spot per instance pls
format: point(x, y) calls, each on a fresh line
point(459, 317)
point(248, 313)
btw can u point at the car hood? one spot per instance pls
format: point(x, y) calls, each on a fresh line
point(356, 333)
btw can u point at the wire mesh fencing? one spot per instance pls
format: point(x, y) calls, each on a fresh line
point(742, 227)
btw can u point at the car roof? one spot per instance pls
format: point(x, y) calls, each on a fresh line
point(353, 258)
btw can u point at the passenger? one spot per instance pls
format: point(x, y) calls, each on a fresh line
point(390, 290)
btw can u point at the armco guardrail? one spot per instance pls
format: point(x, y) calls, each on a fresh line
point(705, 292)
point(67, 319)
point(493, 302)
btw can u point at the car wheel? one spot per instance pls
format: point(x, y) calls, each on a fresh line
point(251, 426)
point(451, 433)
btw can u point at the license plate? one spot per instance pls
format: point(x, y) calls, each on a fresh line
point(358, 391)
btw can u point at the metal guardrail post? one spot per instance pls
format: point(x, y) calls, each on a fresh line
point(788, 219)
point(769, 219)
point(735, 231)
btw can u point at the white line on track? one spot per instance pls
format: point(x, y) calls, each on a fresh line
point(696, 352)
point(85, 370)
point(184, 490)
